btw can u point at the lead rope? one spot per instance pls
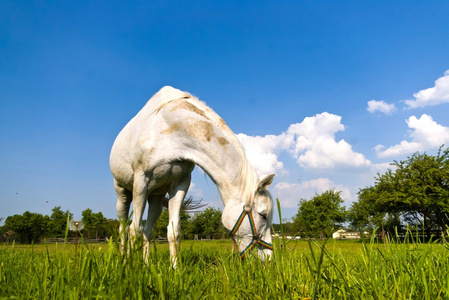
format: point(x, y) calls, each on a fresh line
point(256, 240)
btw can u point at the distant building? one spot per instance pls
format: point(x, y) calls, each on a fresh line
point(287, 237)
point(343, 234)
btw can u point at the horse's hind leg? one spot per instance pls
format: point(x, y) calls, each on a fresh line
point(124, 198)
point(154, 211)
point(140, 194)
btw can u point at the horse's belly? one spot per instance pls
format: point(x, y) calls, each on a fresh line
point(164, 177)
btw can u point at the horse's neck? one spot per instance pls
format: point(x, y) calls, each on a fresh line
point(230, 171)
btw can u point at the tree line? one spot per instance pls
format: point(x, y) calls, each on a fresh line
point(413, 194)
point(34, 227)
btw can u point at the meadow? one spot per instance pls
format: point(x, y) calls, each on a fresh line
point(212, 270)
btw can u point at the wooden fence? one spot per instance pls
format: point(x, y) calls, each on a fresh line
point(72, 240)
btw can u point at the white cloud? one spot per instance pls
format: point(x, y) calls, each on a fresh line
point(432, 96)
point(381, 106)
point(195, 192)
point(262, 152)
point(289, 194)
point(313, 144)
point(425, 134)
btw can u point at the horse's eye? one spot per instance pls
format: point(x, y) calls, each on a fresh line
point(263, 215)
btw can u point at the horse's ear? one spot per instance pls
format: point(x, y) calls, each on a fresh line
point(264, 182)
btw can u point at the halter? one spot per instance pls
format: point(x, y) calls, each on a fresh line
point(256, 239)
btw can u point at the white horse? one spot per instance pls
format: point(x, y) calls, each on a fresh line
point(156, 152)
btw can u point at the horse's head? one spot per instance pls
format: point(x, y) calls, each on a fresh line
point(250, 227)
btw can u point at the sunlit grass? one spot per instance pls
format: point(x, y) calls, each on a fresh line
point(211, 270)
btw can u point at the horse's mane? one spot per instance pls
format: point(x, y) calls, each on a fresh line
point(247, 176)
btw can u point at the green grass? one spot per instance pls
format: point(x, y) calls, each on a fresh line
point(211, 270)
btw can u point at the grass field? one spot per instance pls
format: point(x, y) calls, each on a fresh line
point(211, 270)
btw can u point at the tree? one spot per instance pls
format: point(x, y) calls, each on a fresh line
point(417, 192)
point(287, 226)
point(29, 227)
point(423, 190)
point(363, 214)
point(208, 223)
point(93, 222)
point(320, 215)
point(57, 224)
point(160, 228)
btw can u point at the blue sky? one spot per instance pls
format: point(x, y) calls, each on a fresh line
point(323, 93)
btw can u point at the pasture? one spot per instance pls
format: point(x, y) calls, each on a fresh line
point(212, 270)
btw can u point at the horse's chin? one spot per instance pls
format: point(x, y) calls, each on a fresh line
point(265, 255)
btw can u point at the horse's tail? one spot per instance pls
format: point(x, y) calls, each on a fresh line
point(189, 203)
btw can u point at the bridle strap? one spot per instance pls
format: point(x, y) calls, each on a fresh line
point(256, 240)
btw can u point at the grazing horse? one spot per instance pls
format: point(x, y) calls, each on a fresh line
point(156, 152)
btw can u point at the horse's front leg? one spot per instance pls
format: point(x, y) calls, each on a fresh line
point(174, 208)
point(154, 211)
